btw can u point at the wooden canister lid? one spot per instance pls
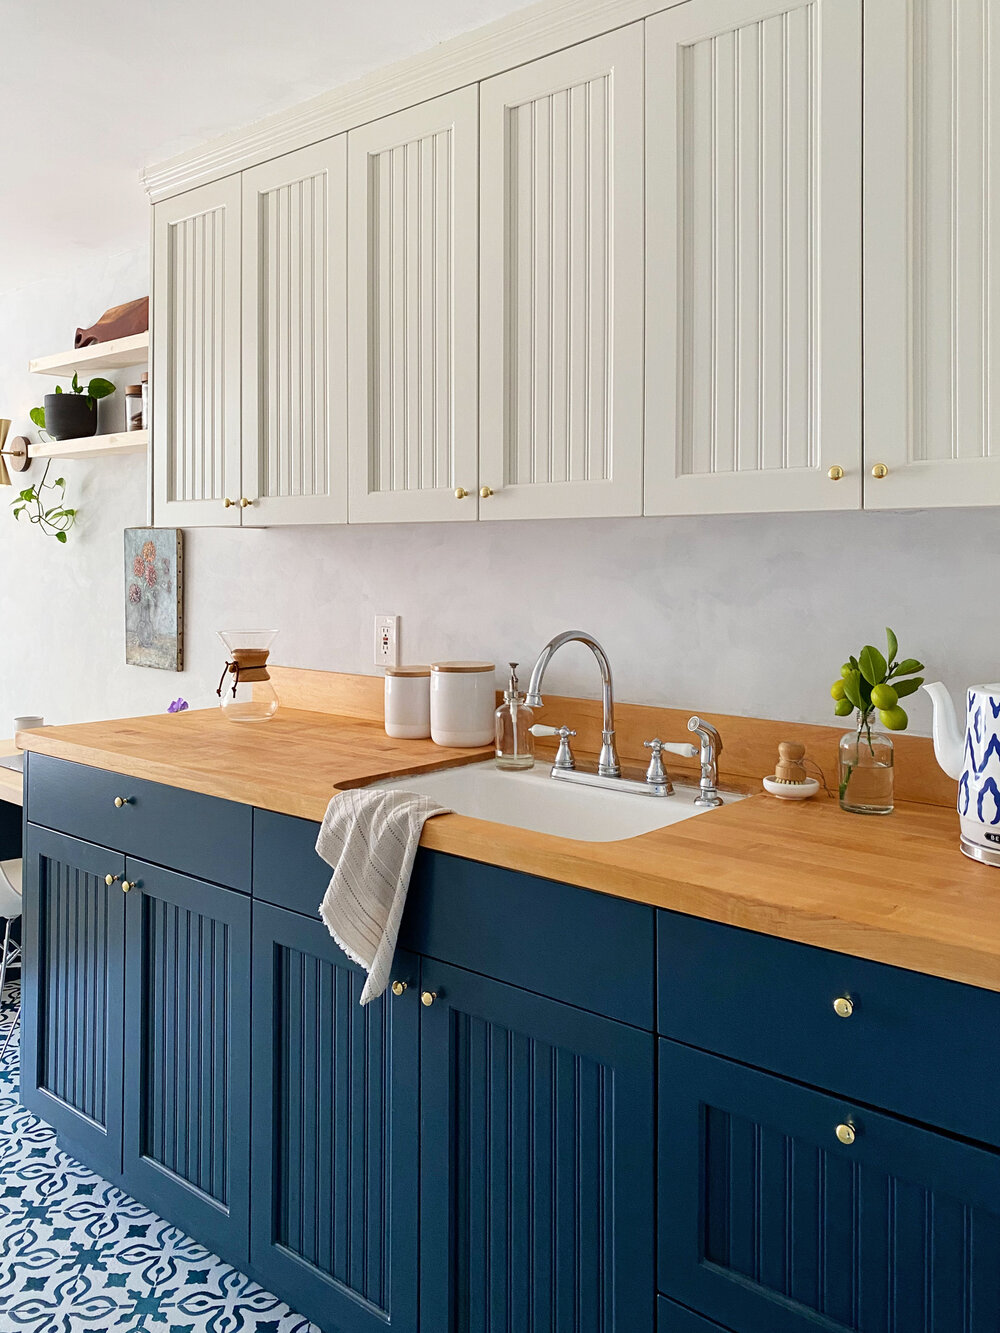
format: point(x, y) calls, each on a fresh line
point(462, 667)
point(408, 671)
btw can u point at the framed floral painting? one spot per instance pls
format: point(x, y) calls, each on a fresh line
point(154, 620)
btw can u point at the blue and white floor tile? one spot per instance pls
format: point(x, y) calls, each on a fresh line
point(79, 1256)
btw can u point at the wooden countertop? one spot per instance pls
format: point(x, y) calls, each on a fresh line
point(11, 782)
point(896, 890)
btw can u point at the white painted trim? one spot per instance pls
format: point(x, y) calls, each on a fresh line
point(528, 34)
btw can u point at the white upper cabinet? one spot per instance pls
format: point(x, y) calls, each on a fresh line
point(753, 256)
point(561, 283)
point(932, 240)
point(196, 356)
point(294, 337)
point(412, 312)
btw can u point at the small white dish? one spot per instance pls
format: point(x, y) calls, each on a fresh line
point(791, 791)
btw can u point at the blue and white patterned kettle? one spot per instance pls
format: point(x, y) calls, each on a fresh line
point(973, 759)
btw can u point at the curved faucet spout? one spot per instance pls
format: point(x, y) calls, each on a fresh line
point(608, 765)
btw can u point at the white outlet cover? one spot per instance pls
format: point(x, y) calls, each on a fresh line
point(386, 641)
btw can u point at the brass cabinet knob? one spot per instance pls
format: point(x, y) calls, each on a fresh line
point(485, 492)
point(109, 880)
point(836, 472)
point(122, 800)
point(879, 471)
point(460, 492)
point(846, 1134)
point(227, 503)
point(843, 1006)
point(398, 987)
point(428, 997)
point(126, 886)
point(244, 502)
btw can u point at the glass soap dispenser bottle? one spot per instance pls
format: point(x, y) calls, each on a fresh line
point(515, 745)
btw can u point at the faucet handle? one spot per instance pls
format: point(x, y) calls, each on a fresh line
point(564, 755)
point(684, 748)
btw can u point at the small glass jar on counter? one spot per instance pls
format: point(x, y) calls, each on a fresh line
point(133, 407)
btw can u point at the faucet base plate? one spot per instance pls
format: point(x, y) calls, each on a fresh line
point(635, 786)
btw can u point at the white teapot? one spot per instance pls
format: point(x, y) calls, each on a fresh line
point(973, 759)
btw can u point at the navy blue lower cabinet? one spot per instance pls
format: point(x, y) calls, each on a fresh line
point(536, 1165)
point(674, 1318)
point(335, 1130)
point(187, 1049)
point(71, 1034)
point(783, 1209)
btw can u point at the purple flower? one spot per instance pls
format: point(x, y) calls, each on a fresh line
point(178, 706)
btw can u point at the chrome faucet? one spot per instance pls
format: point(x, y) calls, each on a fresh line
point(608, 765)
point(711, 748)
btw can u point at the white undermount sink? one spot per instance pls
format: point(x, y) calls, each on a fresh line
point(531, 799)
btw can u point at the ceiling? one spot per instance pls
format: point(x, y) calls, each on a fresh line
point(93, 92)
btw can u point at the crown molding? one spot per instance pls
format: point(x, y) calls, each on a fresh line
point(524, 35)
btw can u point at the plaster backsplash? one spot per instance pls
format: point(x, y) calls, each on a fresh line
point(749, 614)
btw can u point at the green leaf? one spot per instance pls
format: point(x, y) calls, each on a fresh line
point(60, 537)
point(872, 664)
point(58, 388)
point(852, 688)
point(37, 415)
point(854, 663)
point(59, 482)
point(99, 388)
point(892, 644)
point(908, 667)
point(905, 687)
point(76, 382)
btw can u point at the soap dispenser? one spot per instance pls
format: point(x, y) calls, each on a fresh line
point(515, 745)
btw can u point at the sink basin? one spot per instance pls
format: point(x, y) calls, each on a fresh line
point(531, 799)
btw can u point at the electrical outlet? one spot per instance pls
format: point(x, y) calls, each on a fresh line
point(386, 641)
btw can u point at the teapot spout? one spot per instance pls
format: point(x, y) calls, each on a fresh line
point(949, 742)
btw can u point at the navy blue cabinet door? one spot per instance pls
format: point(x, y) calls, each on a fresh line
point(537, 1175)
point(770, 1223)
point(187, 1054)
point(71, 1037)
point(335, 1121)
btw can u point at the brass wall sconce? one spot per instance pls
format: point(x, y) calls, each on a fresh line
point(17, 452)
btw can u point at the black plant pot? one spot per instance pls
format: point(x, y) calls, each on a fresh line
point(70, 416)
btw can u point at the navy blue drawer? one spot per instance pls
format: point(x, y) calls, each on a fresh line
point(921, 1046)
point(183, 830)
point(567, 943)
point(674, 1318)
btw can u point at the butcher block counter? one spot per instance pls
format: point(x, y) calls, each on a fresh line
point(895, 890)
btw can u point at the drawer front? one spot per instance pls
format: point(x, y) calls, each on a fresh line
point(586, 948)
point(769, 1222)
point(183, 830)
point(917, 1045)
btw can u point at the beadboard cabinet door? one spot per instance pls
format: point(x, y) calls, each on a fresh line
point(187, 1033)
point(196, 357)
point(413, 311)
point(561, 283)
point(295, 337)
point(753, 256)
point(536, 1162)
point(932, 253)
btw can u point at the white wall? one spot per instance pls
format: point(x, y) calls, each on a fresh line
point(744, 615)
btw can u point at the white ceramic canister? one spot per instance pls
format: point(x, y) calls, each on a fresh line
point(408, 702)
point(463, 701)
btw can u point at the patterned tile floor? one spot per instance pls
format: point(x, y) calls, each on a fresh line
point(79, 1256)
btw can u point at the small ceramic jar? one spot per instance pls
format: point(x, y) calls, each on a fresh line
point(463, 701)
point(408, 702)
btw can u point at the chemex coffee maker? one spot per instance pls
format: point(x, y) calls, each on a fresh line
point(250, 697)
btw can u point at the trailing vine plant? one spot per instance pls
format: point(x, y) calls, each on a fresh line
point(54, 519)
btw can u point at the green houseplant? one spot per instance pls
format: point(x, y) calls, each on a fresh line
point(72, 415)
point(869, 684)
point(53, 518)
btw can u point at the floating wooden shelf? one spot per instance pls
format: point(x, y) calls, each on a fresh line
point(96, 446)
point(114, 355)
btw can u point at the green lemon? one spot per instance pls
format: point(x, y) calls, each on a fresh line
point(837, 690)
point(846, 670)
point(843, 707)
point(884, 696)
point(893, 719)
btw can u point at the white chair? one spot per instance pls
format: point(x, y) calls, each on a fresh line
point(10, 907)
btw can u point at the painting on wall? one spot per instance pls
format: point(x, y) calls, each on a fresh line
point(154, 578)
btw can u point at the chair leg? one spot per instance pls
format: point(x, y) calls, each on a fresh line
point(16, 1020)
point(6, 955)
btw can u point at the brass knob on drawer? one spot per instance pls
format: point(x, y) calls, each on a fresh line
point(879, 471)
point(398, 987)
point(227, 503)
point(836, 473)
point(843, 1006)
point(846, 1134)
point(428, 997)
point(485, 492)
point(460, 493)
point(109, 880)
point(122, 800)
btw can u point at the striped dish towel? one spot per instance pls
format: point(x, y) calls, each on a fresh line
point(370, 838)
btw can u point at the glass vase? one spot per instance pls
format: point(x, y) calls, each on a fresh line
point(866, 770)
